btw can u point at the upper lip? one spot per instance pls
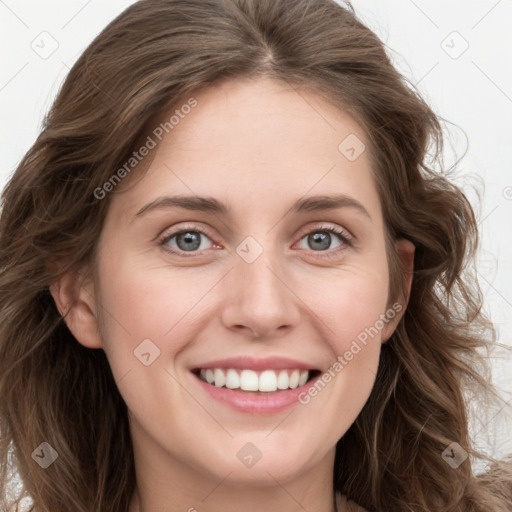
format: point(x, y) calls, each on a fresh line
point(257, 364)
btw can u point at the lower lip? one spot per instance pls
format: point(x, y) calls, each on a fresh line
point(264, 403)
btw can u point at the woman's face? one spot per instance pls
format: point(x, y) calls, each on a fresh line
point(258, 280)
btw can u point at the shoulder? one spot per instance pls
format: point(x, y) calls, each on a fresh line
point(344, 504)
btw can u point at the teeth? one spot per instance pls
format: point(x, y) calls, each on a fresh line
point(303, 378)
point(282, 380)
point(294, 379)
point(219, 378)
point(268, 381)
point(232, 380)
point(249, 380)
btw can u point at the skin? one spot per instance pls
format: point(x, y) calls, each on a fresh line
point(257, 146)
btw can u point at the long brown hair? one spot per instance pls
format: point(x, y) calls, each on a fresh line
point(55, 390)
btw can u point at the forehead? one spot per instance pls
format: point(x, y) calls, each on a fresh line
point(253, 142)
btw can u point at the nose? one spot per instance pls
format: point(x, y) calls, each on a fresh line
point(259, 298)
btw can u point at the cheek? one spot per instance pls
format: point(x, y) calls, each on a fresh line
point(359, 309)
point(352, 308)
point(142, 302)
point(349, 305)
point(350, 314)
point(150, 316)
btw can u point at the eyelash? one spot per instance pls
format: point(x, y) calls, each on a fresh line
point(344, 235)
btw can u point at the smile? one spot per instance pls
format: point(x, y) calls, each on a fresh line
point(266, 381)
point(256, 392)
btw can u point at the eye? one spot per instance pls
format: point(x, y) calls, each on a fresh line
point(186, 240)
point(189, 240)
point(320, 239)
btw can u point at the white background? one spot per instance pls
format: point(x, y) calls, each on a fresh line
point(471, 90)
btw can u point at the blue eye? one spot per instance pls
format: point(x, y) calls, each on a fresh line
point(189, 240)
point(322, 238)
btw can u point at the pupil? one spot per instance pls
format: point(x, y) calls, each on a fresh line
point(321, 237)
point(189, 238)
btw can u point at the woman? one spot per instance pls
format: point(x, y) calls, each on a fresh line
point(171, 336)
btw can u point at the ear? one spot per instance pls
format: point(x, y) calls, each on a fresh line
point(405, 249)
point(75, 302)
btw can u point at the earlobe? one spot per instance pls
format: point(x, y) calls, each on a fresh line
point(75, 302)
point(405, 249)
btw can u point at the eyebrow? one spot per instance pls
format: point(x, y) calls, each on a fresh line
point(212, 205)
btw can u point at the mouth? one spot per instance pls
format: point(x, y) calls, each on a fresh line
point(252, 382)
